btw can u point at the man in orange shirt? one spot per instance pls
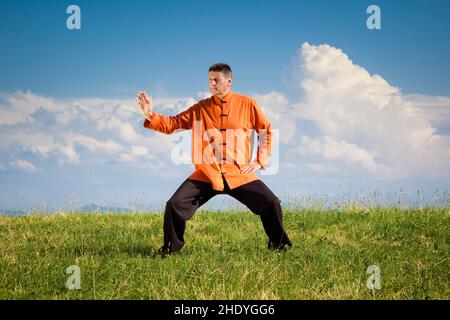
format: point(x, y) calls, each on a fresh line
point(222, 127)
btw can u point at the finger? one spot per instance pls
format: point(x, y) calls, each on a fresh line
point(247, 170)
point(142, 104)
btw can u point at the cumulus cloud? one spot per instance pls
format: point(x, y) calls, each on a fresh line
point(435, 109)
point(276, 107)
point(15, 108)
point(124, 129)
point(79, 131)
point(135, 152)
point(344, 118)
point(71, 156)
point(331, 149)
point(93, 144)
point(365, 120)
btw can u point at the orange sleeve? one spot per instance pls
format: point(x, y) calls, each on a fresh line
point(263, 128)
point(168, 124)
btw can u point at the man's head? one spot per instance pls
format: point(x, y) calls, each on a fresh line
point(220, 79)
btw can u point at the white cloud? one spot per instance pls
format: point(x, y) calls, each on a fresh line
point(123, 129)
point(203, 95)
point(70, 155)
point(134, 153)
point(43, 144)
point(363, 119)
point(436, 109)
point(24, 165)
point(15, 108)
point(77, 131)
point(139, 150)
point(359, 121)
point(331, 149)
point(93, 144)
point(275, 107)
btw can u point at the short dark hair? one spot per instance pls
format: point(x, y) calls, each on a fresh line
point(221, 67)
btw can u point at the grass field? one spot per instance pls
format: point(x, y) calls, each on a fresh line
point(225, 256)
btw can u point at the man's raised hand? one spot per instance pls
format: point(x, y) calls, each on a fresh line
point(144, 102)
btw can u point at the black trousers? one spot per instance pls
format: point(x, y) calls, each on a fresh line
point(192, 194)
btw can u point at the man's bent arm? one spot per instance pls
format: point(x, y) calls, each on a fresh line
point(263, 128)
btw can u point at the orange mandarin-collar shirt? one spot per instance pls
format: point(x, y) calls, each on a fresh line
point(221, 137)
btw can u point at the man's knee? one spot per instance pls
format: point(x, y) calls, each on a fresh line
point(173, 204)
point(272, 200)
point(270, 205)
point(180, 209)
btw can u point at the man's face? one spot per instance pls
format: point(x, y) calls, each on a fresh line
point(219, 85)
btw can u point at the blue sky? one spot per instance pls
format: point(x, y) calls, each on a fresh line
point(165, 47)
point(127, 45)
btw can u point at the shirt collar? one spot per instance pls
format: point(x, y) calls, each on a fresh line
point(225, 99)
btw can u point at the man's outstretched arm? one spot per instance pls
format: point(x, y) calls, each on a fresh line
point(164, 124)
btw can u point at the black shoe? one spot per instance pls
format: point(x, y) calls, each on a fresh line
point(165, 251)
point(285, 247)
point(282, 247)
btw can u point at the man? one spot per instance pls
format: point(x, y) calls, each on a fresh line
point(221, 128)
